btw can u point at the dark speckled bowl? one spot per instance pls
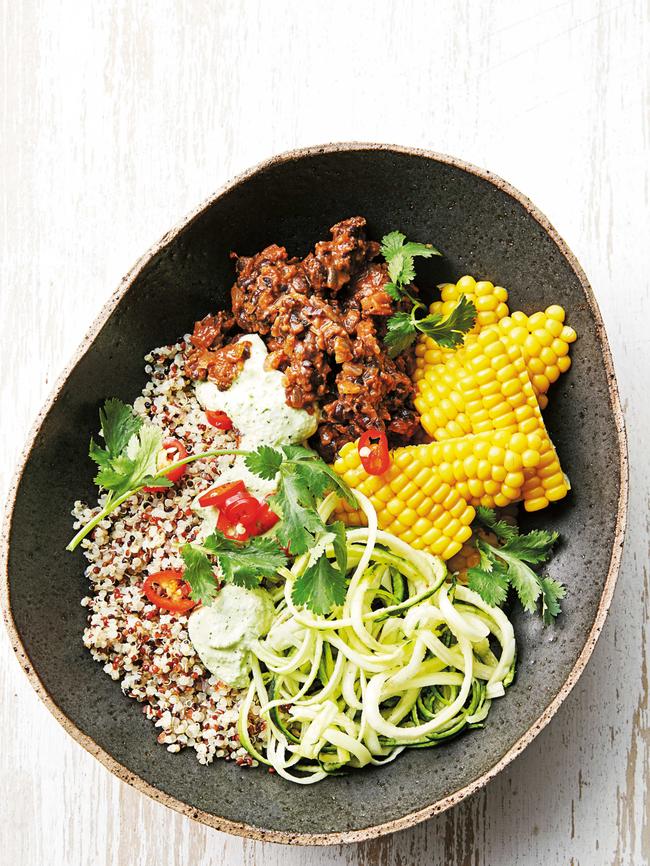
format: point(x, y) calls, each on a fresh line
point(484, 227)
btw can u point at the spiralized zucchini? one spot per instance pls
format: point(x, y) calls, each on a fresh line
point(409, 661)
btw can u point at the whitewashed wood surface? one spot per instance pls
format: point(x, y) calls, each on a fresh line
point(118, 118)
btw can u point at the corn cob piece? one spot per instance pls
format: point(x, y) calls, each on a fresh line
point(490, 302)
point(484, 469)
point(544, 340)
point(482, 387)
point(412, 500)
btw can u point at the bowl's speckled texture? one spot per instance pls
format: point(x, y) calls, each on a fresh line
point(485, 228)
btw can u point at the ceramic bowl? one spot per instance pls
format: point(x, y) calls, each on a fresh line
point(484, 227)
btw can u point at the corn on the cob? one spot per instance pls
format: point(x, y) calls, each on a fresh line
point(543, 337)
point(544, 341)
point(490, 302)
point(482, 387)
point(411, 499)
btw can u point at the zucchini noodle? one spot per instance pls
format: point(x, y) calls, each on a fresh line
point(411, 659)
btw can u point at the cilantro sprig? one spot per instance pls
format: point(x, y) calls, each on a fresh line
point(509, 565)
point(403, 327)
point(303, 479)
point(128, 462)
point(242, 564)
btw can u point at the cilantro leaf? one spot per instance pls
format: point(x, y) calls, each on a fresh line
point(510, 565)
point(552, 592)
point(449, 331)
point(100, 455)
point(264, 462)
point(400, 334)
point(407, 274)
point(142, 450)
point(156, 481)
point(488, 517)
point(491, 584)
point(300, 520)
point(245, 564)
point(324, 478)
point(425, 251)
point(320, 587)
point(395, 266)
point(299, 452)
point(119, 424)
point(392, 291)
point(533, 547)
point(523, 579)
point(111, 479)
point(199, 573)
point(391, 244)
point(317, 476)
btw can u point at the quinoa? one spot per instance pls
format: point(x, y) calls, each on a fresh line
point(144, 647)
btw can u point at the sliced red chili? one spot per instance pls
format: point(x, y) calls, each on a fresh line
point(218, 495)
point(242, 508)
point(265, 520)
point(235, 531)
point(219, 420)
point(168, 590)
point(373, 451)
point(172, 451)
point(241, 515)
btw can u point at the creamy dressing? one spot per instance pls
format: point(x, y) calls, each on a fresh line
point(256, 405)
point(223, 632)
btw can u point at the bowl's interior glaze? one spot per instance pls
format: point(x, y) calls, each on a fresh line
point(482, 230)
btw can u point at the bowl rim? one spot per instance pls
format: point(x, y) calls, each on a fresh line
point(412, 818)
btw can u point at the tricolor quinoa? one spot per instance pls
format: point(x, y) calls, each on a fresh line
point(149, 649)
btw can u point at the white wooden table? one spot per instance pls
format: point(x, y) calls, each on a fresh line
point(119, 117)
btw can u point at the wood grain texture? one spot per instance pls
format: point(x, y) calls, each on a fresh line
point(119, 117)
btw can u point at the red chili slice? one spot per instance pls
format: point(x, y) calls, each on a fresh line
point(234, 531)
point(241, 515)
point(265, 520)
point(169, 591)
point(172, 451)
point(242, 508)
point(218, 495)
point(219, 420)
point(373, 451)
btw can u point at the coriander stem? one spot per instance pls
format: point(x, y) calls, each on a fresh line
point(219, 453)
point(112, 504)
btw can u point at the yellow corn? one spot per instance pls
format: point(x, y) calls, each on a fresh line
point(411, 499)
point(490, 302)
point(485, 468)
point(544, 341)
point(483, 387)
point(467, 557)
point(543, 337)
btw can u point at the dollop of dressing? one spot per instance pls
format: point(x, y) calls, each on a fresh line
point(223, 632)
point(256, 405)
